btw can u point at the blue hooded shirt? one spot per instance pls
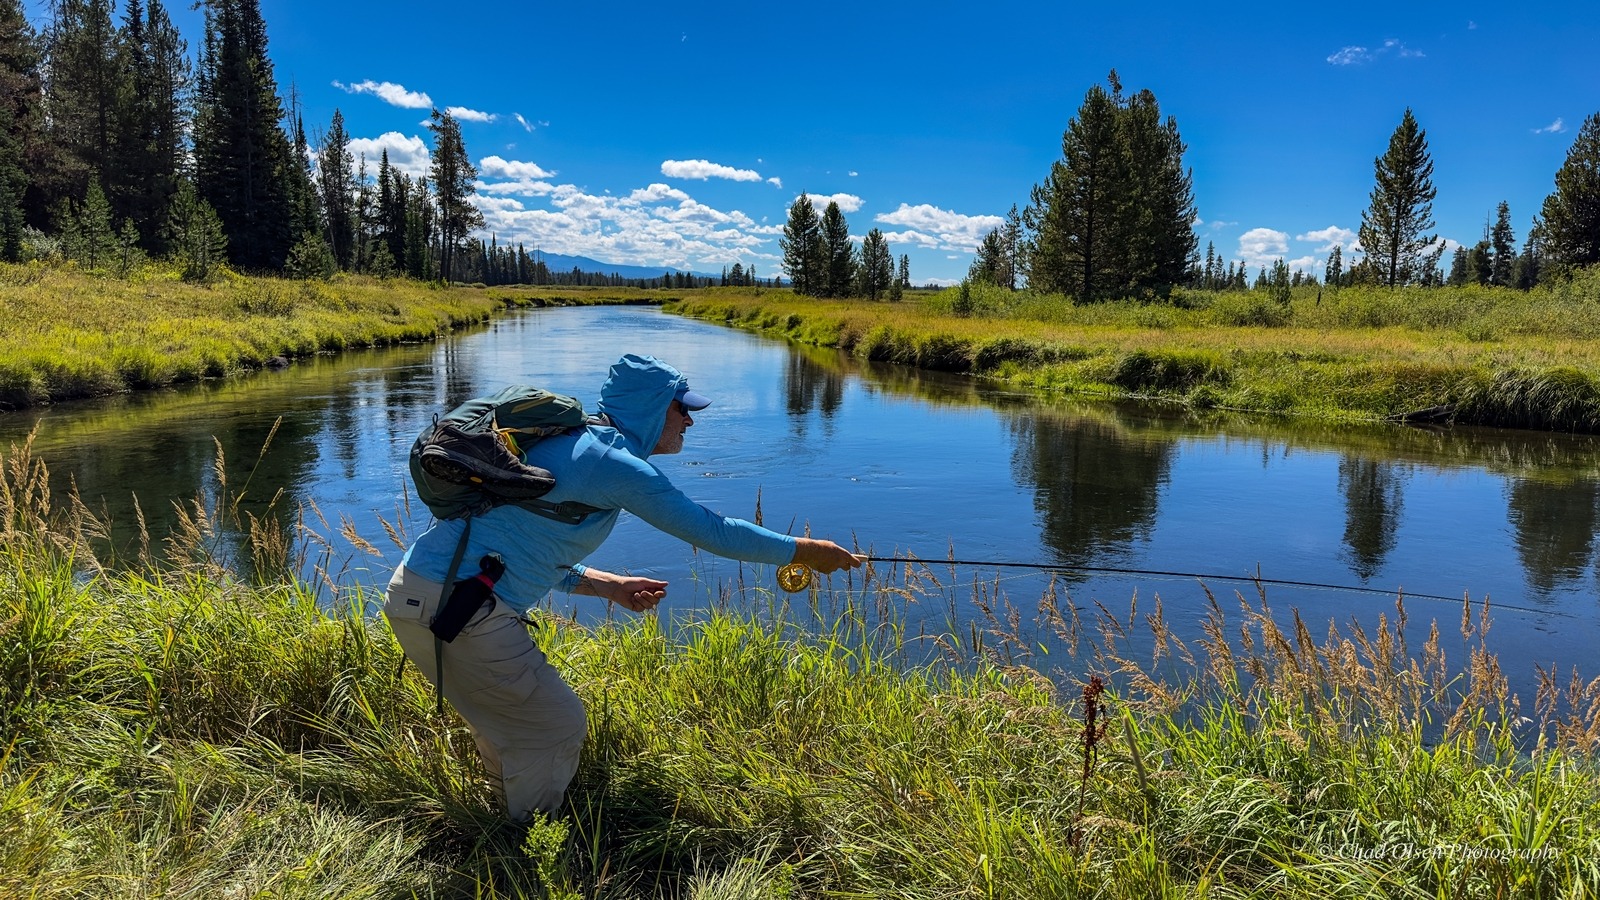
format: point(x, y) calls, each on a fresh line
point(603, 466)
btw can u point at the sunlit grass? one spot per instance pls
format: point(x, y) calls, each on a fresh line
point(67, 334)
point(1493, 356)
point(180, 729)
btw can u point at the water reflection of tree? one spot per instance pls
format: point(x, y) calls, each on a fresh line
point(809, 384)
point(1554, 522)
point(1372, 506)
point(1096, 486)
point(162, 448)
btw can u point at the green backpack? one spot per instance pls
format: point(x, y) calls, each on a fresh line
point(469, 461)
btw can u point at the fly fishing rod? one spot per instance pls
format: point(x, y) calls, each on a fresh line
point(795, 577)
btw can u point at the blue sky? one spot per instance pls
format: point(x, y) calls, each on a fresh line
point(678, 134)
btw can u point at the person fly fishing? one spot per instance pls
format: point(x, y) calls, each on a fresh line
point(471, 641)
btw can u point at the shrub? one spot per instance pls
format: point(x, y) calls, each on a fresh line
point(1250, 309)
point(1145, 370)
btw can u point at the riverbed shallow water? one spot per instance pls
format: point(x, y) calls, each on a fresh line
point(901, 461)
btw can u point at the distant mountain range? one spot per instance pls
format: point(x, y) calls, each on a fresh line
point(558, 262)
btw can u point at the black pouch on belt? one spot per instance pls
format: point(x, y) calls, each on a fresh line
point(466, 598)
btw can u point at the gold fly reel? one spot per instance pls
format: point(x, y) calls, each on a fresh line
point(794, 578)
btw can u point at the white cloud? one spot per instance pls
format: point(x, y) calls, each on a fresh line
point(1308, 264)
point(954, 231)
point(1556, 127)
point(1350, 56)
point(847, 202)
point(526, 125)
point(703, 169)
point(654, 194)
point(389, 92)
point(1393, 46)
point(937, 282)
point(776, 182)
point(464, 114)
point(854, 173)
point(912, 237)
point(1330, 237)
point(657, 225)
point(408, 154)
point(495, 167)
point(526, 187)
point(1263, 246)
point(1354, 55)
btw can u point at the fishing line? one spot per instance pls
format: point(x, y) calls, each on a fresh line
point(795, 577)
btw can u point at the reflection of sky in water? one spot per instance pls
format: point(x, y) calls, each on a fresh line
point(905, 461)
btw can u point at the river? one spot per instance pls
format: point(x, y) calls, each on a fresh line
point(906, 461)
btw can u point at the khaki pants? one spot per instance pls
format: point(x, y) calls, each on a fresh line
point(528, 724)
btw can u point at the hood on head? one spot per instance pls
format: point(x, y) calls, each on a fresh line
point(636, 395)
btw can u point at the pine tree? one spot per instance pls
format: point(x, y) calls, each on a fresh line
point(1279, 283)
point(1480, 263)
point(1011, 243)
point(419, 235)
point(1530, 264)
point(1072, 213)
point(93, 241)
point(13, 186)
point(21, 127)
point(128, 254)
point(1335, 267)
point(153, 127)
point(839, 267)
point(1159, 210)
point(336, 185)
point(392, 216)
point(988, 262)
point(1115, 215)
point(801, 244)
point(1401, 209)
point(195, 234)
point(877, 265)
point(243, 160)
point(1571, 214)
point(1458, 267)
point(305, 203)
point(87, 92)
point(453, 177)
point(1504, 246)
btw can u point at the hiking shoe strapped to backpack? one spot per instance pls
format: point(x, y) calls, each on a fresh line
point(482, 459)
point(470, 461)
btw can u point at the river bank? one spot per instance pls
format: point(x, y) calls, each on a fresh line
point(1479, 356)
point(69, 335)
point(184, 730)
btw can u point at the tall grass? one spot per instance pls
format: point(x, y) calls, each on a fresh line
point(183, 730)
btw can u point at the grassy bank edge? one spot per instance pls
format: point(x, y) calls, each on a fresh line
point(71, 336)
point(1282, 380)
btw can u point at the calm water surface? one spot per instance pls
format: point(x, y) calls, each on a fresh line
point(903, 461)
